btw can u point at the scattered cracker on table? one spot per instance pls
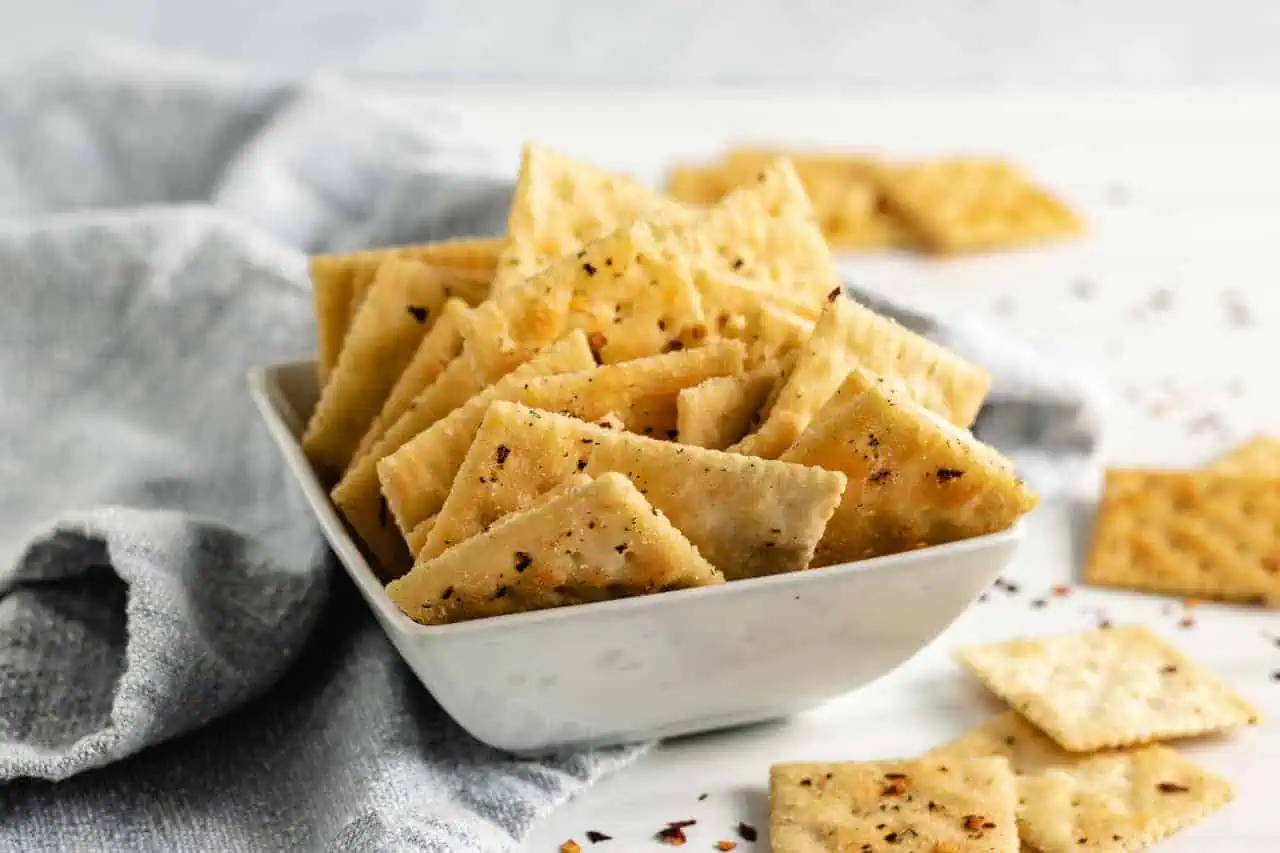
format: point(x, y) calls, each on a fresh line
point(592, 542)
point(339, 283)
point(914, 479)
point(849, 335)
point(961, 205)
point(748, 517)
point(416, 478)
point(1189, 533)
point(561, 204)
point(959, 804)
point(1112, 801)
point(1107, 688)
point(1257, 457)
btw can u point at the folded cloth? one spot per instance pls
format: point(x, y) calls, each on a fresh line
point(169, 617)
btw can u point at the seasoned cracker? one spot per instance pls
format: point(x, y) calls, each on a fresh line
point(849, 335)
point(1189, 533)
point(560, 205)
point(1107, 688)
point(1257, 457)
point(720, 411)
point(594, 542)
point(339, 283)
point(959, 804)
point(1114, 801)
point(404, 302)
point(770, 328)
point(417, 537)
point(748, 517)
point(966, 205)
point(438, 348)
point(357, 495)
point(416, 478)
point(914, 479)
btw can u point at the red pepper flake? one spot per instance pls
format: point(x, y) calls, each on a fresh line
point(806, 782)
point(834, 294)
point(418, 312)
point(588, 268)
point(893, 787)
point(571, 846)
point(597, 341)
point(880, 477)
point(974, 822)
point(582, 464)
point(447, 594)
point(726, 846)
point(502, 454)
point(747, 832)
point(681, 824)
point(1172, 788)
point(672, 835)
point(698, 332)
point(596, 837)
point(1169, 669)
point(1186, 623)
point(523, 561)
point(1061, 591)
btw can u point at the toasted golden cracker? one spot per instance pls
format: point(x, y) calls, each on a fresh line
point(959, 804)
point(440, 346)
point(403, 303)
point(1190, 534)
point(971, 205)
point(748, 517)
point(560, 205)
point(591, 543)
point(847, 336)
point(339, 283)
point(417, 537)
point(416, 478)
point(769, 328)
point(1113, 801)
point(720, 411)
point(358, 497)
point(1107, 688)
point(1257, 457)
point(914, 479)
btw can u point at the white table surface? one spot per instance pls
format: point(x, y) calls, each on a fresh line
point(1174, 298)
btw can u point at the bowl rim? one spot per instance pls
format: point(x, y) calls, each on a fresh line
point(268, 397)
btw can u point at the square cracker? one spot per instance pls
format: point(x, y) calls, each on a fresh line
point(1189, 533)
point(403, 304)
point(959, 804)
point(438, 348)
point(416, 478)
point(719, 411)
point(339, 283)
point(561, 204)
point(593, 542)
point(748, 517)
point(1113, 801)
point(357, 495)
point(965, 205)
point(914, 479)
point(1107, 688)
point(1257, 457)
point(849, 335)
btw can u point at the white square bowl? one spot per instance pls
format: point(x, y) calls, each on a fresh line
point(660, 665)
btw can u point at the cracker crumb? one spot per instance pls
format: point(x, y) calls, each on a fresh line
point(571, 846)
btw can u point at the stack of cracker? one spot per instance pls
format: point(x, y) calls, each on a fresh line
point(626, 395)
point(866, 203)
point(1074, 766)
point(1213, 533)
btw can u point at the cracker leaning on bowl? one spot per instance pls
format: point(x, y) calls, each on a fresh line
point(622, 318)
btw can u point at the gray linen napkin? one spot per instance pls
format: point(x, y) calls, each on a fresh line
point(158, 575)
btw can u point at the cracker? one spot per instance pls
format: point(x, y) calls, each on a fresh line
point(720, 411)
point(416, 478)
point(357, 495)
point(914, 479)
point(1107, 688)
point(404, 302)
point(591, 543)
point(417, 537)
point(560, 205)
point(1257, 457)
point(748, 517)
point(768, 327)
point(1190, 534)
point(438, 348)
point(847, 336)
point(958, 805)
point(339, 283)
point(1113, 801)
point(965, 205)
point(700, 185)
